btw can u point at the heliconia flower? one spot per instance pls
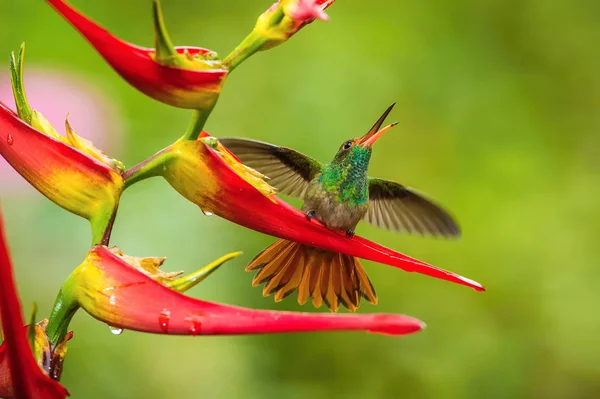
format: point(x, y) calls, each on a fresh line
point(21, 375)
point(276, 25)
point(116, 290)
point(200, 173)
point(184, 77)
point(69, 170)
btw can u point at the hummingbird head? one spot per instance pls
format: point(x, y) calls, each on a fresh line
point(359, 149)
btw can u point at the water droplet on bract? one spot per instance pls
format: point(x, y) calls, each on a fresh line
point(163, 320)
point(196, 325)
point(116, 330)
point(10, 140)
point(206, 213)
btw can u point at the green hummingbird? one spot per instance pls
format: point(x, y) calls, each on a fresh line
point(339, 194)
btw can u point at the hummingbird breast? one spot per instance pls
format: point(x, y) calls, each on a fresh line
point(331, 209)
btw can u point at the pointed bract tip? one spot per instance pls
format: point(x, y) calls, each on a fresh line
point(397, 325)
point(473, 284)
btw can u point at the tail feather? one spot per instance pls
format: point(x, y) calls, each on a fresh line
point(270, 264)
point(285, 260)
point(346, 284)
point(323, 276)
point(292, 278)
point(367, 290)
point(315, 292)
point(304, 291)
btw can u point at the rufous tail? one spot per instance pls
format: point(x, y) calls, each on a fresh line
point(325, 276)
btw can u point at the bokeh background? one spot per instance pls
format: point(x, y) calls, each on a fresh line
point(499, 110)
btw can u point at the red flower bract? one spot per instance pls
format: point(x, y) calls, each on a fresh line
point(26, 378)
point(115, 292)
point(70, 178)
point(184, 88)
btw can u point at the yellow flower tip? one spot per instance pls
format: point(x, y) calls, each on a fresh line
point(40, 123)
point(234, 254)
point(148, 266)
point(186, 282)
point(251, 176)
point(40, 344)
point(86, 146)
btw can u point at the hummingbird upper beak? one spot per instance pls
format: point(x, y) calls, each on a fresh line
point(374, 133)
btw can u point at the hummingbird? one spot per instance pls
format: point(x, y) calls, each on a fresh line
point(339, 194)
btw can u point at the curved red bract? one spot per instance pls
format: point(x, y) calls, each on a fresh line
point(26, 378)
point(170, 85)
point(137, 302)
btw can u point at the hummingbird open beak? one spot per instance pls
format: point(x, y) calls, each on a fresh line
point(374, 133)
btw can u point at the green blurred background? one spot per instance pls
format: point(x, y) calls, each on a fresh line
point(499, 110)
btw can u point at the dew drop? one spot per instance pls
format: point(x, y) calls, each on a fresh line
point(163, 320)
point(116, 330)
point(10, 140)
point(206, 213)
point(196, 325)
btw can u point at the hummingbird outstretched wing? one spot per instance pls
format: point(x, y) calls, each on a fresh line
point(289, 171)
point(398, 208)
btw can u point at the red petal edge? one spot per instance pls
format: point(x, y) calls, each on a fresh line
point(27, 379)
point(143, 304)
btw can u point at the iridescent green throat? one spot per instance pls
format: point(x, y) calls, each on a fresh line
point(346, 175)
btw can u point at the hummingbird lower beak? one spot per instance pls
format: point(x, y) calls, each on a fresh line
point(369, 141)
point(374, 133)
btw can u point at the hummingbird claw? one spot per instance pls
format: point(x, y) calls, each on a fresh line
point(350, 233)
point(310, 215)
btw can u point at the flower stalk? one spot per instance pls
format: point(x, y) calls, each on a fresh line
point(276, 25)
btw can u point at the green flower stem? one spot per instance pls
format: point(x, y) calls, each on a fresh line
point(198, 121)
point(16, 77)
point(164, 50)
point(31, 328)
point(151, 167)
point(102, 225)
point(63, 311)
point(250, 45)
point(184, 283)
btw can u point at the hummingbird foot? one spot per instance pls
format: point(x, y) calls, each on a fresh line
point(310, 215)
point(350, 233)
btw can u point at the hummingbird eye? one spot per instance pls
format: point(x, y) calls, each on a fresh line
point(347, 145)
